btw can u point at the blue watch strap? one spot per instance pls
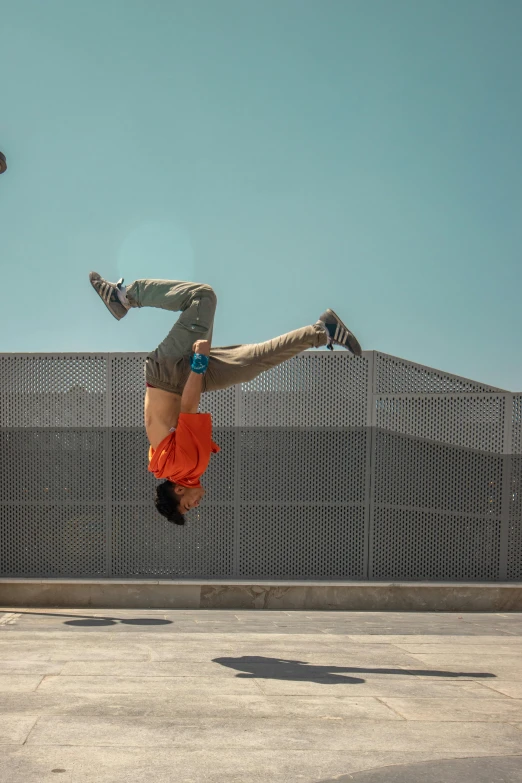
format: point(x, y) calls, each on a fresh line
point(199, 363)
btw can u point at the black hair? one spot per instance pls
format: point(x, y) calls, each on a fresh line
point(167, 503)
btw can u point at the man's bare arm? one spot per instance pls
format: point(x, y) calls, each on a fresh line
point(192, 393)
point(194, 385)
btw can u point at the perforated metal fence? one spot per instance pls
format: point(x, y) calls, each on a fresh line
point(331, 467)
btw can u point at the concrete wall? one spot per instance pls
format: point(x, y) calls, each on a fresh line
point(308, 596)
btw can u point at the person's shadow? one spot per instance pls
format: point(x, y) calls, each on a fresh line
point(250, 666)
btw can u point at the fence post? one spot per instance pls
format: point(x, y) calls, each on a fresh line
point(107, 443)
point(507, 467)
point(238, 415)
point(370, 467)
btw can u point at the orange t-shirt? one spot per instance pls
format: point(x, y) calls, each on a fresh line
point(183, 455)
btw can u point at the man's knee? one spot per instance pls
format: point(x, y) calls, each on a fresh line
point(207, 292)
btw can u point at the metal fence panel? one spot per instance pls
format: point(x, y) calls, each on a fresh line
point(331, 467)
point(398, 376)
point(420, 544)
point(51, 540)
point(516, 433)
point(53, 390)
point(144, 545)
point(473, 420)
point(302, 542)
point(514, 547)
point(514, 543)
point(439, 476)
point(303, 448)
point(50, 466)
point(319, 389)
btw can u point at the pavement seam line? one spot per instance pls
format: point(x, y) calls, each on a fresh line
point(44, 678)
point(392, 709)
point(491, 688)
point(31, 729)
point(255, 679)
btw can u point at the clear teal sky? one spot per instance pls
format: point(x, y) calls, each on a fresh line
point(364, 155)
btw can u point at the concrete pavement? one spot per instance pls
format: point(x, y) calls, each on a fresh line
point(196, 696)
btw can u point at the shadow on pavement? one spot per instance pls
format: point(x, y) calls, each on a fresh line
point(115, 620)
point(88, 620)
point(483, 769)
point(282, 669)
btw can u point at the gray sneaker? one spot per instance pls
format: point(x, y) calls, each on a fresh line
point(108, 292)
point(339, 334)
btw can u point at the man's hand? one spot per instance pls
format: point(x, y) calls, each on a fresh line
point(202, 347)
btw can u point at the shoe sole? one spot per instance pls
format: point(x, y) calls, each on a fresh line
point(353, 342)
point(99, 279)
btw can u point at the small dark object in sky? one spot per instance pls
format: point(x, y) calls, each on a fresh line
point(3, 163)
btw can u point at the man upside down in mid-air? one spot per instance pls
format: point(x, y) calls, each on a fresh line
point(184, 366)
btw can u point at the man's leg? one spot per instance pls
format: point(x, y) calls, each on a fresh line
point(169, 365)
point(196, 301)
point(241, 363)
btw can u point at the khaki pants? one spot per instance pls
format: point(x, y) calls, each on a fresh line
point(168, 367)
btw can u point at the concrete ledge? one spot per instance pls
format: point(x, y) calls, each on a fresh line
point(246, 594)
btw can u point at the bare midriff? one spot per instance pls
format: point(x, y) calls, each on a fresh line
point(161, 413)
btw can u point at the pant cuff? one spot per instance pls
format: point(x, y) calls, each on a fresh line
point(130, 290)
point(322, 334)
